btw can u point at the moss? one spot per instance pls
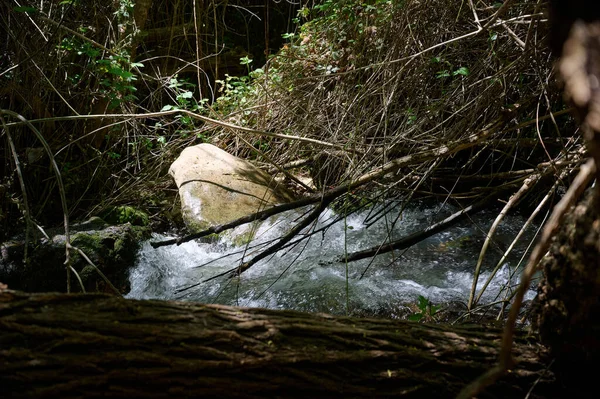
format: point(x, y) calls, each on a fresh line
point(244, 238)
point(89, 243)
point(195, 225)
point(87, 274)
point(126, 214)
point(120, 245)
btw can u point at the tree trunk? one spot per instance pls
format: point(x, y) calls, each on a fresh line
point(67, 346)
point(568, 303)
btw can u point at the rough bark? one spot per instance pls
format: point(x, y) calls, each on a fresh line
point(67, 346)
point(569, 295)
point(568, 304)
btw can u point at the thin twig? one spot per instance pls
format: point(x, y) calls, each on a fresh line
point(87, 259)
point(61, 188)
point(505, 361)
point(212, 122)
point(392, 166)
point(26, 210)
point(528, 222)
point(527, 185)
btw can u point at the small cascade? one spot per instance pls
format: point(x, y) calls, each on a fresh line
point(306, 276)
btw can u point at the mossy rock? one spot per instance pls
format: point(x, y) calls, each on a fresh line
point(112, 249)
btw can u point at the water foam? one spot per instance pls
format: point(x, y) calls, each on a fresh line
point(306, 276)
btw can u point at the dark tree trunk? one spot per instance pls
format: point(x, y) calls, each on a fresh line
point(568, 314)
point(67, 346)
point(568, 303)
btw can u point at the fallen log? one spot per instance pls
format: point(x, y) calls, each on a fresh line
point(67, 346)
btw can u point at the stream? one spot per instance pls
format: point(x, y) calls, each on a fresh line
point(307, 277)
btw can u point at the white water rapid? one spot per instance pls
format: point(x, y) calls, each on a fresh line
point(306, 276)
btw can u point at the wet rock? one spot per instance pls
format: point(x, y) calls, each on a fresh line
point(216, 187)
point(111, 248)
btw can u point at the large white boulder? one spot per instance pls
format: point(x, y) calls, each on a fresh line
point(216, 187)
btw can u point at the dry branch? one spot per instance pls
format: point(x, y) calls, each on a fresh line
point(328, 196)
point(412, 239)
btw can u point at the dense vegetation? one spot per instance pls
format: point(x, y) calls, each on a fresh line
point(462, 96)
point(378, 100)
point(372, 80)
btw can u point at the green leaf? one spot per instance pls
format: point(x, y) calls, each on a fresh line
point(423, 302)
point(245, 61)
point(168, 108)
point(461, 71)
point(121, 72)
point(415, 317)
point(257, 72)
point(114, 103)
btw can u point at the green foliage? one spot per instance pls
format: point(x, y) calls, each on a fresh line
point(30, 10)
point(237, 91)
point(245, 61)
point(118, 80)
point(126, 214)
point(426, 310)
point(184, 97)
point(348, 12)
point(448, 70)
point(336, 36)
point(351, 18)
point(183, 91)
point(411, 117)
point(113, 71)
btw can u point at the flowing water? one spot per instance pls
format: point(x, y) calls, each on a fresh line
point(308, 276)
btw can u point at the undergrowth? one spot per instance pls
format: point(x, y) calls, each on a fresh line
point(385, 79)
point(461, 97)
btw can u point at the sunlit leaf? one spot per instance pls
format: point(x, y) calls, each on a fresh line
point(461, 71)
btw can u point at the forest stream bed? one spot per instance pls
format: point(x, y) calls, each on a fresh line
point(307, 277)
